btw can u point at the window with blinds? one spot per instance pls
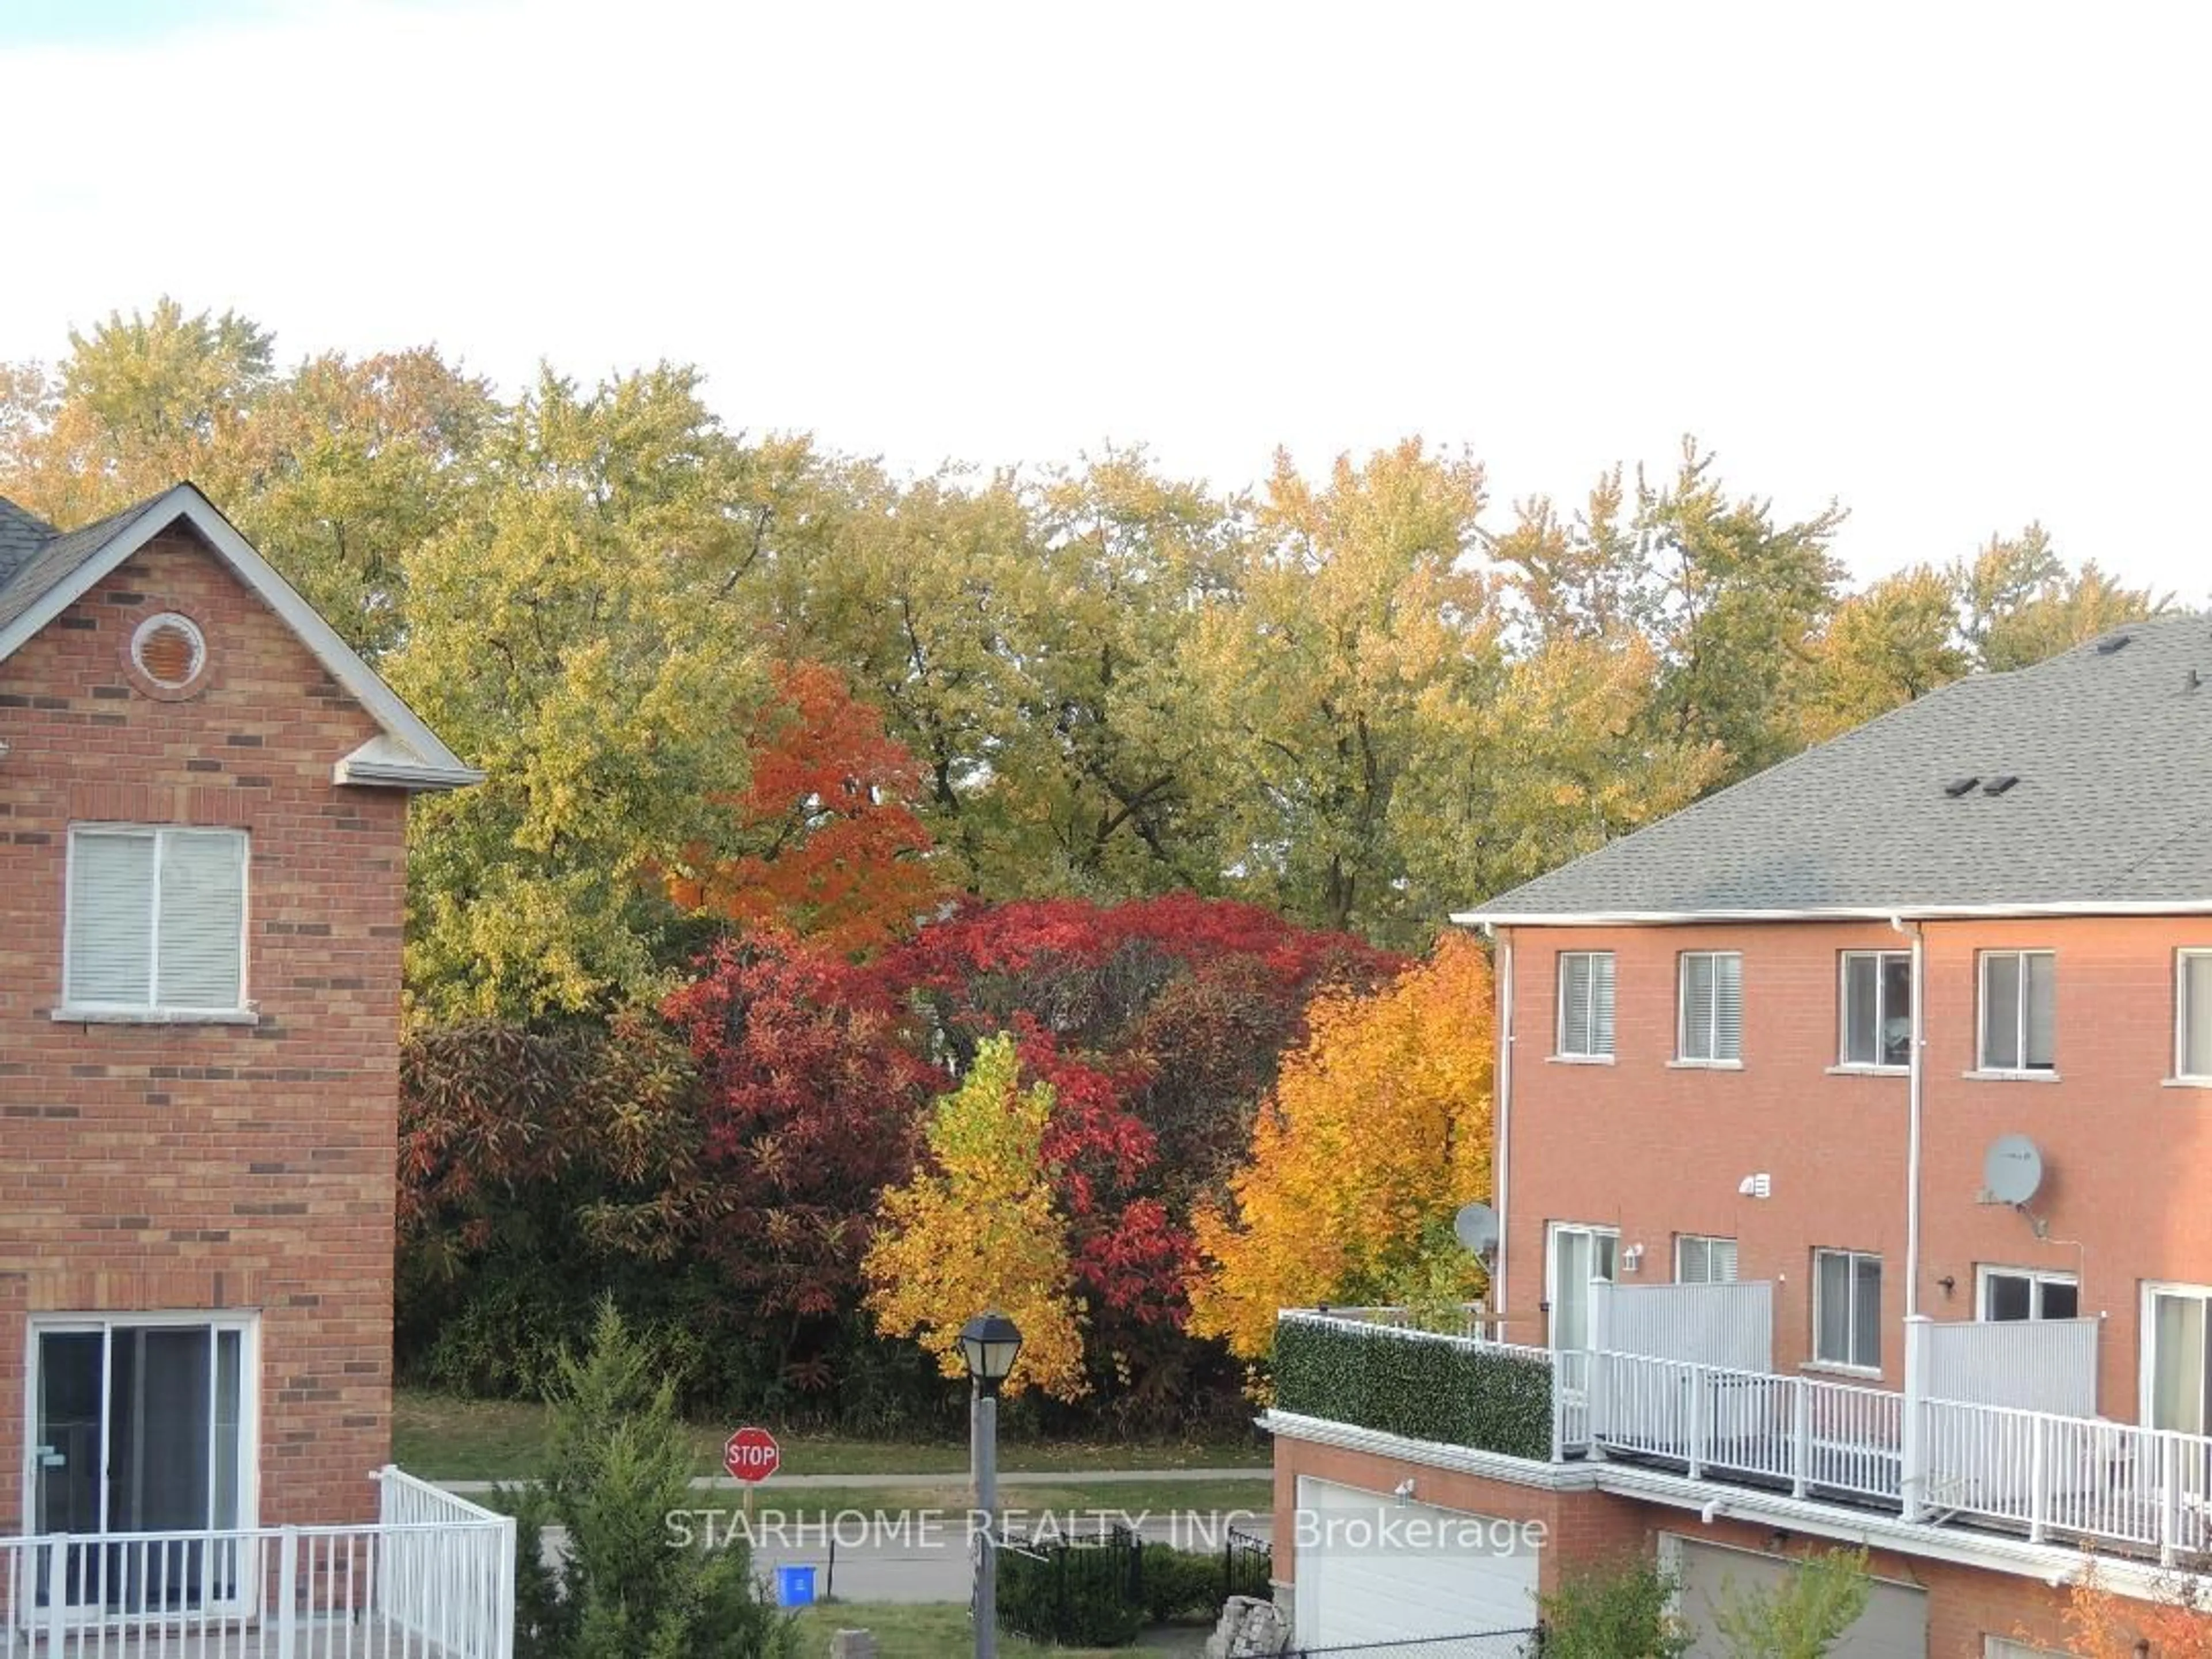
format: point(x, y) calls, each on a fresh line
point(1700, 1260)
point(1711, 1024)
point(1585, 1003)
point(2019, 1011)
point(157, 920)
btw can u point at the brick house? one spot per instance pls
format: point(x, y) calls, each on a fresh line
point(202, 802)
point(1854, 1183)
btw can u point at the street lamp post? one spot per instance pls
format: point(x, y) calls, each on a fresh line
point(988, 1343)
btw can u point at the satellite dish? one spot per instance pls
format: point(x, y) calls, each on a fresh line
point(1477, 1227)
point(2011, 1170)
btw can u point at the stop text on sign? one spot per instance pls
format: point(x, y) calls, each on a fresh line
point(751, 1455)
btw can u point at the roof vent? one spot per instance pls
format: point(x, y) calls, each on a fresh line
point(2117, 643)
point(1959, 786)
point(1999, 785)
point(2191, 680)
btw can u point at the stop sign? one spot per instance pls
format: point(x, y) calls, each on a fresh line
point(751, 1455)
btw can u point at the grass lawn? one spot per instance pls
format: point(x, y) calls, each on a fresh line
point(933, 1629)
point(442, 1439)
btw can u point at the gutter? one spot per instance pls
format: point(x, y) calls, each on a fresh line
point(1502, 1166)
point(1885, 913)
point(1916, 1062)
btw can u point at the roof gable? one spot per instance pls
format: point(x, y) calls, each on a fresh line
point(52, 574)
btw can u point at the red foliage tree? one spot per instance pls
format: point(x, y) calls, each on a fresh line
point(810, 1096)
point(838, 855)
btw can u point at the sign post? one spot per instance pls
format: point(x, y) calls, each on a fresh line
point(749, 1456)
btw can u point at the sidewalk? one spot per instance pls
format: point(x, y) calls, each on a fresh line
point(948, 1479)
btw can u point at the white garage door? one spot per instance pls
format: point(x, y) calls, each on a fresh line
point(1373, 1569)
point(1893, 1627)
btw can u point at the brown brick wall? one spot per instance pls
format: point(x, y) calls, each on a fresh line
point(186, 1167)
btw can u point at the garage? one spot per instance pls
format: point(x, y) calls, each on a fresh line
point(1893, 1627)
point(1372, 1567)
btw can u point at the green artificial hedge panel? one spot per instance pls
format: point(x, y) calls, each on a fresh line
point(1457, 1393)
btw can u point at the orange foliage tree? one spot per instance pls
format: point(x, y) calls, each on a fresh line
point(836, 854)
point(1378, 1130)
point(2174, 1623)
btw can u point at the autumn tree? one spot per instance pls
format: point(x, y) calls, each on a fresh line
point(2018, 602)
point(1359, 625)
point(977, 1229)
point(140, 403)
point(1378, 1130)
point(831, 849)
point(1896, 640)
point(576, 634)
point(811, 1102)
point(2173, 1622)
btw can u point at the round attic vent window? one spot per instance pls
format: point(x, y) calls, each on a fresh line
point(168, 650)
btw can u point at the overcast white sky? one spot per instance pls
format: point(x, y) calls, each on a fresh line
point(1944, 262)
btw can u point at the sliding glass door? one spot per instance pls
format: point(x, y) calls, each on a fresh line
point(140, 1426)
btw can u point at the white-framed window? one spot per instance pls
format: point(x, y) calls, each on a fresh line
point(2011, 1647)
point(1875, 1001)
point(2192, 1016)
point(156, 921)
point(1585, 1005)
point(2177, 1357)
point(1702, 1261)
point(2019, 1011)
point(1711, 1028)
point(2026, 1293)
point(1847, 1309)
point(1577, 1253)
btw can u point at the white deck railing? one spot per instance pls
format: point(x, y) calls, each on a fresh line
point(432, 1578)
point(2053, 1476)
point(1456, 1319)
point(449, 1568)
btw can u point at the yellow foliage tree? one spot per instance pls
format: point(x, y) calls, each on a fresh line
point(976, 1229)
point(1379, 1129)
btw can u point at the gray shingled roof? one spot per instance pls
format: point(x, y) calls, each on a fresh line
point(22, 534)
point(2112, 750)
point(41, 565)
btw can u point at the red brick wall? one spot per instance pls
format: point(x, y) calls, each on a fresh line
point(1659, 1150)
point(187, 1167)
point(1587, 1528)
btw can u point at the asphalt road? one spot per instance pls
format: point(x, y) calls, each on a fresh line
point(905, 1557)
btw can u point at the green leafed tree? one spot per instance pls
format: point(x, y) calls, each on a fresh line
point(1358, 628)
point(577, 634)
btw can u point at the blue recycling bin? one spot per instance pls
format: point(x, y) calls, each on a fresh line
point(794, 1586)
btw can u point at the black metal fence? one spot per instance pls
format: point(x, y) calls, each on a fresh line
point(1248, 1566)
point(1079, 1592)
point(1485, 1644)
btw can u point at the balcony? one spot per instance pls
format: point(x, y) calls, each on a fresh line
point(1977, 1466)
point(432, 1577)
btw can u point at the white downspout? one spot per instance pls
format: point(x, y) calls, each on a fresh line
point(1912, 1121)
point(1501, 1159)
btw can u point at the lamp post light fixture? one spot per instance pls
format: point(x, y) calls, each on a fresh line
point(989, 1344)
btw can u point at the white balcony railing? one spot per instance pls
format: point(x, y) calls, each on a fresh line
point(2053, 1477)
point(432, 1578)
